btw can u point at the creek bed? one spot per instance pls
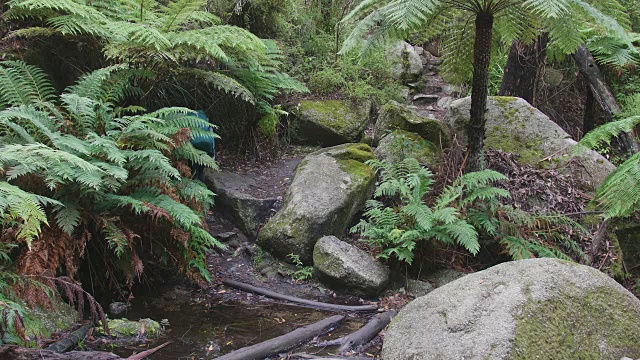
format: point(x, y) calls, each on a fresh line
point(205, 332)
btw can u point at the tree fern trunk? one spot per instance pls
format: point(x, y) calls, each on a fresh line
point(523, 69)
point(480, 91)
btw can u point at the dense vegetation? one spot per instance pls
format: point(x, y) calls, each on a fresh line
point(95, 152)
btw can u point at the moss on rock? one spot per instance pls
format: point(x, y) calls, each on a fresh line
point(402, 144)
point(331, 122)
point(123, 328)
point(42, 323)
point(394, 116)
point(588, 326)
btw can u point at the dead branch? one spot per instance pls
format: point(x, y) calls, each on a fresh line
point(315, 304)
point(362, 335)
point(144, 354)
point(284, 342)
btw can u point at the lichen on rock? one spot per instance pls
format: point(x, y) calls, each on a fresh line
point(401, 144)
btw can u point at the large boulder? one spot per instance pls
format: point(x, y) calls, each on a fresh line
point(401, 144)
point(394, 116)
point(331, 122)
point(234, 198)
point(329, 187)
point(407, 64)
point(344, 266)
point(527, 309)
point(515, 126)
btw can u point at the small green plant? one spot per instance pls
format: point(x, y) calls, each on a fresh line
point(302, 272)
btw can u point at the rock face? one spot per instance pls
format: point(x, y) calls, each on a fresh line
point(331, 122)
point(401, 144)
point(528, 309)
point(245, 210)
point(344, 266)
point(515, 126)
point(329, 187)
point(407, 63)
point(394, 116)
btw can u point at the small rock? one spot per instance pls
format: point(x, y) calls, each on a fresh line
point(445, 276)
point(342, 265)
point(445, 102)
point(432, 89)
point(423, 99)
point(118, 309)
point(225, 235)
point(418, 288)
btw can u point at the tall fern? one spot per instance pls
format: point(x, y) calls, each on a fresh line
point(79, 168)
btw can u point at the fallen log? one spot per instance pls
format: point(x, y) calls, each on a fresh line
point(362, 335)
point(316, 357)
point(284, 342)
point(9, 352)
point(70, 340)
point(315, 304)
point(143, 354)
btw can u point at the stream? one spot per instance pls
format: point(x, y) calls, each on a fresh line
point(204, 331)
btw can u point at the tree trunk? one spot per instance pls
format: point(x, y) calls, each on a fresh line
point(602, 93)
point(588, 121)
point(523, 69)
point(480, 91)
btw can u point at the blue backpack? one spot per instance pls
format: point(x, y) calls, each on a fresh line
point(204, 143)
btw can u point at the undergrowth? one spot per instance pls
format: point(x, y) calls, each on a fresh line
point(405, 211)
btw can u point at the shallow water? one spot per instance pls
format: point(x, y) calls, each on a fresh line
point(202, 332)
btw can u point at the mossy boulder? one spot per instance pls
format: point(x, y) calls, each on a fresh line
point(407, 64)
point(401, 144)
point(329, 187)
point(123, 328)
point(331, 122)
point(343, 266)
point(515, 126)
point(394, 116)
point(527, 309)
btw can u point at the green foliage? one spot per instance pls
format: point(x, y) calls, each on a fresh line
point(398, 219)
point(80, 168)
point(568, 23)
point(396, 228)
point(302, 272)
point(179, 42)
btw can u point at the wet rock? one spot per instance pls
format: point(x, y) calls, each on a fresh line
point(344, 266)
point(118, 309)
point(528, 309)
point(515, 126)
point(418, 288)
point(234, 198)
point(407, 63)
point(395, 116)
point(330, 186)
point(400, 144)
point(331, 122)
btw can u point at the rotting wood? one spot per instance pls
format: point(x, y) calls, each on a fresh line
point(284, 342)
point(362, 335)
point(70, 340)
point(602, 94)
point(315, 304)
